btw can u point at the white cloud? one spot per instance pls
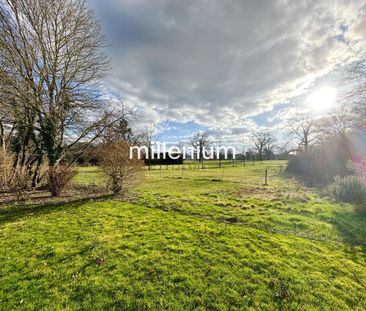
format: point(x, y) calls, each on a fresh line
point(214, 62)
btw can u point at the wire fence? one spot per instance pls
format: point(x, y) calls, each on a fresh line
point(261, 175)
point(268, 173)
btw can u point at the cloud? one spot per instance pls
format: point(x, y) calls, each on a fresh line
point(214, 62)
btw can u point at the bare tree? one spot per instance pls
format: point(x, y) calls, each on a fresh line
point(354, 96)
point(148, 138)
point(305, 131)
point(6, 127)
point(121, 130)
point(244, 149)
point(261, 140)
point(269, 150)
point(339, 123)
point(200, 141)
point(51, 64)
point(285, 148)
point(219, 155)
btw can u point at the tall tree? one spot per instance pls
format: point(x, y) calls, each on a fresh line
point(200, 141)
point(5, 126)
point(355, 95)
point(305, 131)
point(52, 62)
point(244, 149)
point(121, 130)
point(148, 138)
point(218, 143)
point(340, 122)
point(261, 140)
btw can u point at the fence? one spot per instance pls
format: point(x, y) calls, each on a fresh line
point(254, 175)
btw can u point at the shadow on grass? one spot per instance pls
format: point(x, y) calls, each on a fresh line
point(14, 212)
point(352, 227)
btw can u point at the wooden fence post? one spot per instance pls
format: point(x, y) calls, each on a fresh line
point(266, 177)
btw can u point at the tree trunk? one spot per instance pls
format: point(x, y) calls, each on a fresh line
point(2, 136)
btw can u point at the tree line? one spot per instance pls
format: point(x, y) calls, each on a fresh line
point(53, 109)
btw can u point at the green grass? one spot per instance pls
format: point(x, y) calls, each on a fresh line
point(201, 241)
point(89, 175)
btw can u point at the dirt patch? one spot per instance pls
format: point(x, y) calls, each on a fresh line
point(42, 197)
point(257, 192)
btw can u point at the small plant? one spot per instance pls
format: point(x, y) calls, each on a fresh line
point(280, 288)
point(349, 189)
point(99, 252)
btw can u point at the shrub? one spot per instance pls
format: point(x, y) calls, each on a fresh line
point(20, 181)
point(123, 172)
point(12, 179)
point(322, 164)
point(350, 189)
point(6, 169)
point(58, 177)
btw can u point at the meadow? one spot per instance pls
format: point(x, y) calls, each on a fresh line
point(187, 239)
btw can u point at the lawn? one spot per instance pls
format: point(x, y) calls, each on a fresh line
point(188, 239)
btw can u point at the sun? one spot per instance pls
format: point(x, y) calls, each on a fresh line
point(322, 99)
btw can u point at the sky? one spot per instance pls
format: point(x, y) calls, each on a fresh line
point(226, 67)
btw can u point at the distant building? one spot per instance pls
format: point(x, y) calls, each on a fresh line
point(165, 159)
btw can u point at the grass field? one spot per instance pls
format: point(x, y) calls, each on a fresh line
point(214, 239)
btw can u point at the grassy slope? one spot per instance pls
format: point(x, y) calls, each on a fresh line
point(191, 242)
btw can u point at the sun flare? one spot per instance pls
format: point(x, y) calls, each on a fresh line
point(322, 99)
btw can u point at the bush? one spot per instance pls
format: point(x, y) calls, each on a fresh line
point(58, 177)
point(322, 164)
point(12, 179)
point(124, 173)
point(349, 189)
point(6, 169)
